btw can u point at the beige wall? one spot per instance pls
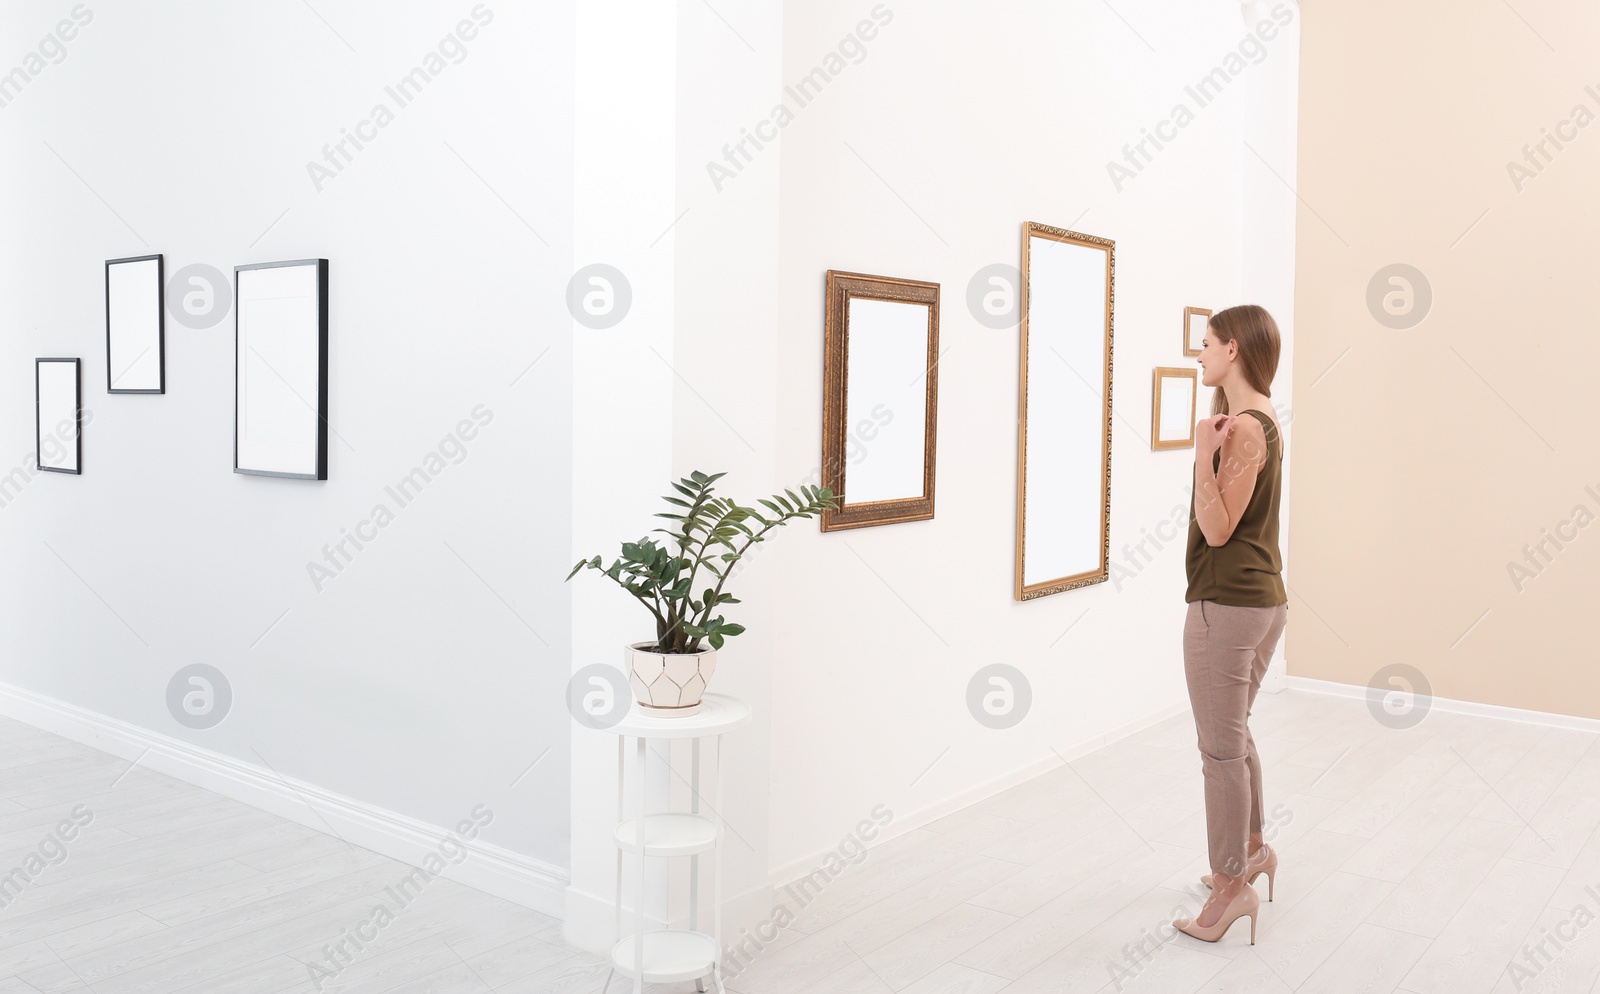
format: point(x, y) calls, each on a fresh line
point(1427, 458)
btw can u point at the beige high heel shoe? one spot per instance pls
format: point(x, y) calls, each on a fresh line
point(1263, 860)
point(1246, 902)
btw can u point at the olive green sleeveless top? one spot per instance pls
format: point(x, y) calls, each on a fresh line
point(1244, 571)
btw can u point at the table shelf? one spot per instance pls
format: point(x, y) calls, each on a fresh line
point(669, 955)
point(669, 834)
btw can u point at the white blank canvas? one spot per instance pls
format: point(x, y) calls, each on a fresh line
point(1177, 408)
point(133, 325)
point(1065, 457)
point(279, 422)
point(888, 357)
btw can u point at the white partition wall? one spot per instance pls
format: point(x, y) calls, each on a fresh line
point(927, 167)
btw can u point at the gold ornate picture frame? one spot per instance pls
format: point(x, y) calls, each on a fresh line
point(880, 399)
point(1171, 412)
point(1064, 411)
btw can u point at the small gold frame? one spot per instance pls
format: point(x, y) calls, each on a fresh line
point(840, 288)
point(1165, 373)
point(1189, 313)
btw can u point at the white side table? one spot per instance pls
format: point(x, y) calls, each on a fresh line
point(669, 955)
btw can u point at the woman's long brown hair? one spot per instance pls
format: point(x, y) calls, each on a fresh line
point(1259, 345)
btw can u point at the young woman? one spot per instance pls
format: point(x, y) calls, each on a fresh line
point(1237, 603)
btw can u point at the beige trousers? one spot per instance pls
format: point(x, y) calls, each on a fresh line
point(1226, 650)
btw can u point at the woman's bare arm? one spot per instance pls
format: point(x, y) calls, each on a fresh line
point(1220, 498)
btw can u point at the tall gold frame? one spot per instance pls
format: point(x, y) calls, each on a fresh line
point(1024, 591)
point(840, 288)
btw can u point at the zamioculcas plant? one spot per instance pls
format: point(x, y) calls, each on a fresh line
point(712, 535)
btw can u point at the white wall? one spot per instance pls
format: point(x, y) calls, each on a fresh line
point(426, 676)
point(922, 161)
point(702, 337)
point(727, 352)
point(622, 457)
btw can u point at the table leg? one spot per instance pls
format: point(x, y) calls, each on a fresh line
point(616, 904)
point(716, 893)
point(638, 939)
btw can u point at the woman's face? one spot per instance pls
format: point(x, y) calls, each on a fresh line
point(1213, 359)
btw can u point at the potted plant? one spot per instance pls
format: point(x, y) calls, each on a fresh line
point(669, 674)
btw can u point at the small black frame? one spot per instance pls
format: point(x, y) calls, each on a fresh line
point(161, 321)
point(38, 418)
point(322, 369)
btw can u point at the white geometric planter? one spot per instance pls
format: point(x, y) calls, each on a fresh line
point(669, 684)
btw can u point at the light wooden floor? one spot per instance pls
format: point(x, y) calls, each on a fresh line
point(1424, 861)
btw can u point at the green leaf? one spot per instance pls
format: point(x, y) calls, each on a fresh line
point(716, 640)
point(581, 565)
point(733, 629)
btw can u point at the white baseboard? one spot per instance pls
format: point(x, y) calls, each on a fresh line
point(1475, 708)
point(492, 869)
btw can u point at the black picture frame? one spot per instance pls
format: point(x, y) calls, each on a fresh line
point(161, 326)
point(320, 430)
point(38, 415)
